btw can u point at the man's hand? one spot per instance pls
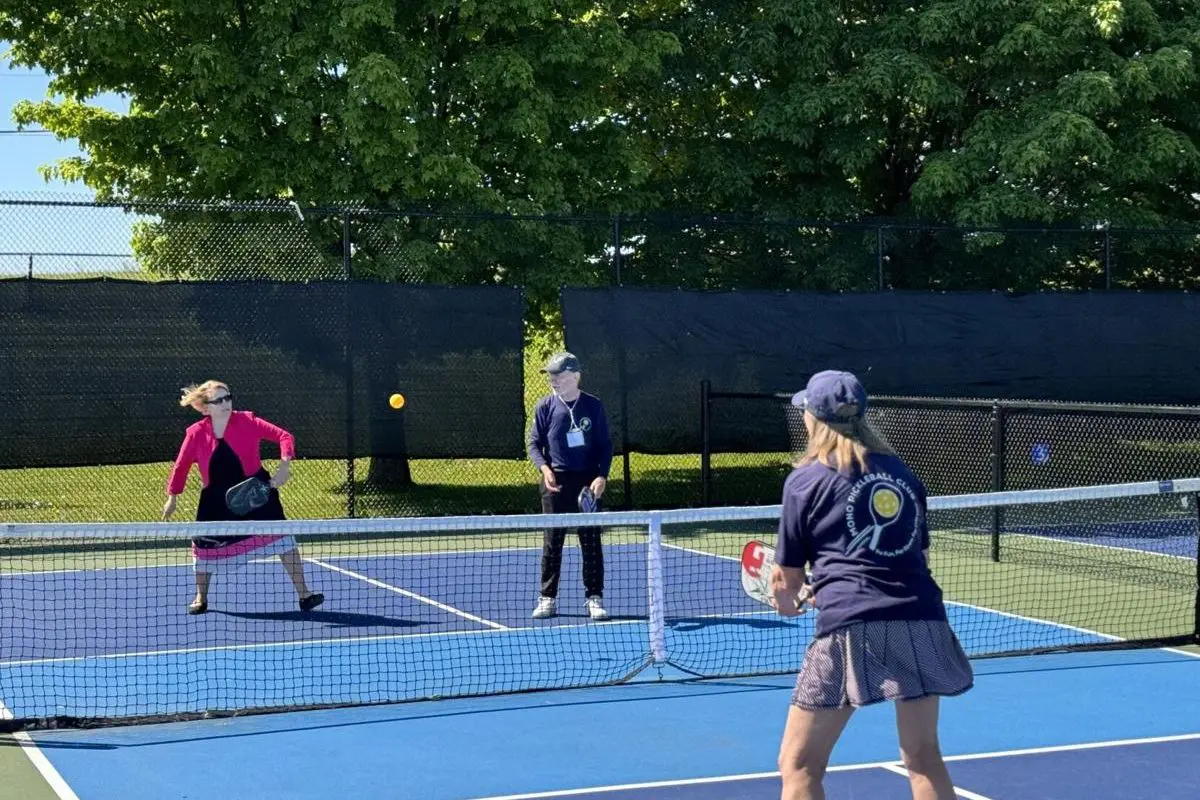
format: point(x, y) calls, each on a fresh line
point(549, 479)
point(598, 487)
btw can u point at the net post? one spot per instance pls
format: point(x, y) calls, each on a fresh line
point(347, 275)
point(623, 381)
point(655, 586)
point(997, 456)
point(1196, 621)
point(705, 442)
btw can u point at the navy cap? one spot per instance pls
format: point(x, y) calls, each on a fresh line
point(834, 397)
point(561, 362)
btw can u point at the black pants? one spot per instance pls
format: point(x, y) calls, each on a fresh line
point(566, 501)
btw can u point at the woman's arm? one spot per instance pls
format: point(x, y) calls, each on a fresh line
point(177, 480)
point(274, 433)
point(287, 448)
point(184, 460)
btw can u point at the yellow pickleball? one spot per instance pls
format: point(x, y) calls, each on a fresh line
point(396, 401)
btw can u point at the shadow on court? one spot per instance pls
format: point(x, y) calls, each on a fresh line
point(339, 619)
point(682, 624)
point(6, 741)
point(290, 722)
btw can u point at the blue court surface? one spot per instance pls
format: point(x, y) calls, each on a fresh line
point(1094, 725)
point(1174, 536)
point(404, 627)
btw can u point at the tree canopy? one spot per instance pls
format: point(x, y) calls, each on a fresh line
point(964, 112)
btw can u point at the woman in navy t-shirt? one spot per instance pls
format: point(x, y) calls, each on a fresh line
point(855, 513)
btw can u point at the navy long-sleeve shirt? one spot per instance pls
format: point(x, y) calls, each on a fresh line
point(548, 434)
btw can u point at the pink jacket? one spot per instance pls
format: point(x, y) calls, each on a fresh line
point(244, 432)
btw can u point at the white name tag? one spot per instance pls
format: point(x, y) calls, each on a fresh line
point(575, 438)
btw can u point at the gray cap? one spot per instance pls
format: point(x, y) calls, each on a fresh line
point(561, 362)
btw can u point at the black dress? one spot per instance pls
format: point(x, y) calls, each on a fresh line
point(224, 471)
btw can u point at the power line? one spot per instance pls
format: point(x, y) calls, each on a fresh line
point(15, 132)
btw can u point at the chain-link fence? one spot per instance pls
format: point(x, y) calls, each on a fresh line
point(165, 240)
point(965, 446)
point(279, 243)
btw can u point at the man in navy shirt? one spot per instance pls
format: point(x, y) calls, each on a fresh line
point(569, 444)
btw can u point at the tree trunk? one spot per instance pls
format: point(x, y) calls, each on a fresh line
point(389, 473)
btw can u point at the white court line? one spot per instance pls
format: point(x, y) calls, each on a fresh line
point(352, 640)
point(750, 776)
point(42, 764)
point(1063, 540)
point(1041, 537)
point(348, 640)
point(701, 552)
point(958, 790)
point(1110, 637)
point(331, 642)
point(272, 559)
point(49, 774)
point(407, 593)
point(984, 609)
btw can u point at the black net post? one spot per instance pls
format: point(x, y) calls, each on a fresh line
point(1196, 631)
point(623, 380)
point(348, 351)
point(1107, 258)
point(879, 256)
point(997, 456)
point(705, 443)
point(616, 245)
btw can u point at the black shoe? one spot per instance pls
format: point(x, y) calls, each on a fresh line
point(198, 608)
point(312, 601)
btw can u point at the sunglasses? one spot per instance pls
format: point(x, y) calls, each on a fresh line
point(217, 401)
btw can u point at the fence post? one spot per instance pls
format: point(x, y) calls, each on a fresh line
point(1107, 258)
point(616, 243)
point(997, 474)
point(618, 323)
point(705, 443)
point(1196, 632)
point(348, 351)
point(31, 266)
point(879, 254)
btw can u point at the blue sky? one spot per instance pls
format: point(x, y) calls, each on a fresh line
point(21, 154)
point(41, 231)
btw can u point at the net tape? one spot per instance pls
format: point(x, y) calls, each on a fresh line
point(525, 522)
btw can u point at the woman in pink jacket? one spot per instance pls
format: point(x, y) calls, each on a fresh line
point(225, 447)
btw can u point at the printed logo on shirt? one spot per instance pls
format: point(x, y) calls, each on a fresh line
point(883, 515)
point(585, 424)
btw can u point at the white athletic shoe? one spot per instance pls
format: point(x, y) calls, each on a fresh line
point(545, 608)
point(595, 608)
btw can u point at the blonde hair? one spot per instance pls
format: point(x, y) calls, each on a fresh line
point(196, 394)
point(843, 446)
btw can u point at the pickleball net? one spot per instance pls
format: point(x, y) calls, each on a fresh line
point(94, 628)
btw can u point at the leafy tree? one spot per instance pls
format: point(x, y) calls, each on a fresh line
point(502, 106)
point(968, 112)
